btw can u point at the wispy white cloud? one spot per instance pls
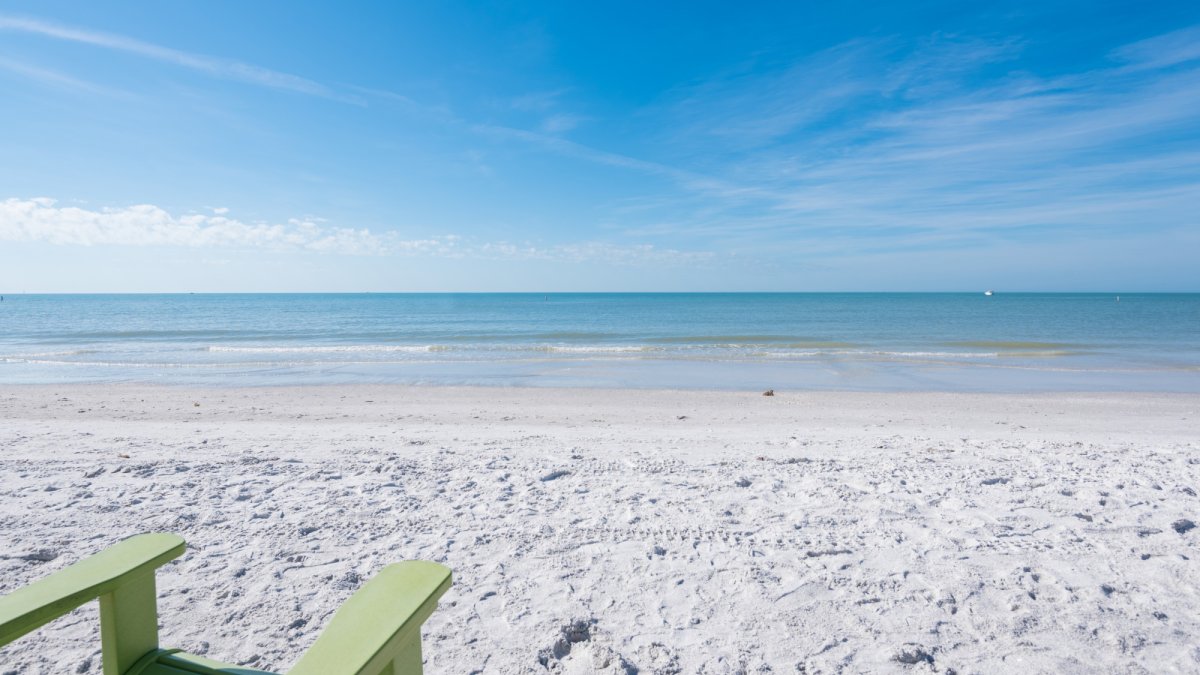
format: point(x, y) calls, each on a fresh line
point(860, 146)
point(560, 123)
point(44, 220)
point(755, 105)
point(548, 106)
point(216, 67)
point(1161, 51)
point(579, 150)
point(602, 252)
point(538, 101)
point(55, 78)
point(692, 180)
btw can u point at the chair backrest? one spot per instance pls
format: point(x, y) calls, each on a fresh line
point(377, 631)
point(121, 577)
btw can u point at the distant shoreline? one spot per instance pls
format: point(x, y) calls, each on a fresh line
point(1108, 412)
point(583, 390)
point(564, 293)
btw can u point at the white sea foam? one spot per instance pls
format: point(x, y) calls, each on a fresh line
point(61, 352)
point(153, 364)
point(592, 349)
point(327, 349)
point(880, 354)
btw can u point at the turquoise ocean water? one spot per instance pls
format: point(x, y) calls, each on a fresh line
point(822, 341)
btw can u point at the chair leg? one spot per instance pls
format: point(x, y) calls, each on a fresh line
point(408, 660)
point(128, 624)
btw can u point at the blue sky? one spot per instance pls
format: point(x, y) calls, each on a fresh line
point(270, 146)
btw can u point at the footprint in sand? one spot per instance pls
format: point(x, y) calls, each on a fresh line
point(576, 651)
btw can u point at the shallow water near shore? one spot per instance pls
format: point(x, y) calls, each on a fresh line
point(843, 341)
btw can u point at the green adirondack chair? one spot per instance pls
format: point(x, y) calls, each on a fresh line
point(376, 632)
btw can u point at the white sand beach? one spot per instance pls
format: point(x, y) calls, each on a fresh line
point(618, 531)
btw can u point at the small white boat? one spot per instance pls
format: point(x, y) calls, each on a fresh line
point(987, 292)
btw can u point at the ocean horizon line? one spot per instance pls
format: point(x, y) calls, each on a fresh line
point(551, 293)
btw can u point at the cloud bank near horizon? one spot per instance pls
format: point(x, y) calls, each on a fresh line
point(42, 219)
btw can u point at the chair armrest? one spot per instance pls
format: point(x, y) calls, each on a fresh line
point(378, 622)
point(39, 603)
